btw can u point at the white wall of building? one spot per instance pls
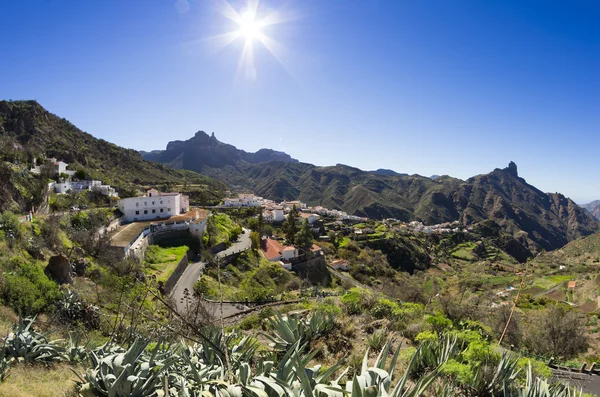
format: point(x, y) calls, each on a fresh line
point(148, 208)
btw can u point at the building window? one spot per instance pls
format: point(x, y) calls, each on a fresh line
point(161, 202)
point(145, 212)
point(137, 212)
point(154, 211)
point(137, 204)
point(153, 203)
point(161, 210)
point(168, 209)
point(145, 203)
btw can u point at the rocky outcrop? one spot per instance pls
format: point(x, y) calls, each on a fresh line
point(202, 152)
point(59, 269)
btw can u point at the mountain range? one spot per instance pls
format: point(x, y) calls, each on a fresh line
point(540, 220)
point(593, 208)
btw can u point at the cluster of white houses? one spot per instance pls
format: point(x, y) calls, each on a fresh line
point(66, 184)
point(82, 186)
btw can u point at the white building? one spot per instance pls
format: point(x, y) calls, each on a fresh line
point(278, 215)
point(154, 205)
point(81, 186)
point(243, 200)
point(312, 218)
point(267, 216)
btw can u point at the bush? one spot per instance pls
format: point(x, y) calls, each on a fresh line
point(439, 323)
point(558, 331)
point(377, 340)
point(385, 308)
point(28, 290)
point(357, 300)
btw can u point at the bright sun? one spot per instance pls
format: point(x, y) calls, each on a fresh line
point(249, 26)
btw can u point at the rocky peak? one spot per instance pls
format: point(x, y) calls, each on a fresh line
point(512, 169)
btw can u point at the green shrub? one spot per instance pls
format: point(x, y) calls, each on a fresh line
point(461, 372)
point(385, 308)
point(439, 323)
point(329, 306)
point(357, 300)
point(253, 321)
point(28, 290)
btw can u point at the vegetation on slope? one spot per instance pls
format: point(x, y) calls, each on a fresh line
point(29, 132)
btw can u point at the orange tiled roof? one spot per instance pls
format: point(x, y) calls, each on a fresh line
point(572, 284)
point(273, 249)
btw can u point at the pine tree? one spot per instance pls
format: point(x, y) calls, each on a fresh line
point(290, 225)
point(304, 237)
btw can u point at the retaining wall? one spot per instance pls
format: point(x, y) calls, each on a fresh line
point(174, 277)
point(315, 270)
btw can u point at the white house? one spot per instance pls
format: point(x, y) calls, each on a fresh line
point(243, 200)
point(278, 215)
point(80, 186)
point(312, 218)
point(267, 216)
point(289, 204)
point(290, 252)
point(154, 205)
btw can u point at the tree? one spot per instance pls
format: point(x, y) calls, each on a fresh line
point(261, 222)
point(304, 237)
point(255, 239)
point(211, 232)
point(290, 225)
point(10, 225)
point(557, 331)
point(81, 174)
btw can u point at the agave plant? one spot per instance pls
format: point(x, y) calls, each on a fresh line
point(26, 344)
point(74, 352)
point(291, 329)
point(536, 387)
point(133, 373)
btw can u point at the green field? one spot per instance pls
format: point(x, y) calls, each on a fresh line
point(162, 261)
point(548, 282)
point(464, 251)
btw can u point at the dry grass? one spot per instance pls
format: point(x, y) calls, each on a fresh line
point(39, 381)
point(7, 319)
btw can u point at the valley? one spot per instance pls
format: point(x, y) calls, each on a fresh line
point(264, 256)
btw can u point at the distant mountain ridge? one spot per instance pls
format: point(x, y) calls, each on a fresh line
point(593, 208)
point(539, 220)
point(203, 151)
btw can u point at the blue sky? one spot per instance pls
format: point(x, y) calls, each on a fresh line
point(428, 87)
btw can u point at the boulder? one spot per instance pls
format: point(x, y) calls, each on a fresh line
point(59, 269)
point(80, 266)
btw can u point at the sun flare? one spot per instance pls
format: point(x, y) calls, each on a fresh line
point(249, 26)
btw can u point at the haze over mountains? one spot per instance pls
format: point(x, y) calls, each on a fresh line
point(593, 208)
point(541, 220)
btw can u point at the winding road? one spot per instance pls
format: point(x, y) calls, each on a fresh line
point(195, 269)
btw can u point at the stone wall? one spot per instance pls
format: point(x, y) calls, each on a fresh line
point(315, 270)
point(174, 277)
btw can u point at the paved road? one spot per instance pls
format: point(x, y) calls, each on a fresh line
point(195, 269)
point(588, 382)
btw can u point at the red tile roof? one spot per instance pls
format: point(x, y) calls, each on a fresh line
point(273, 249)
point(572, 284)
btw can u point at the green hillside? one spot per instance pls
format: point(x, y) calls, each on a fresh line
point(28, 131)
